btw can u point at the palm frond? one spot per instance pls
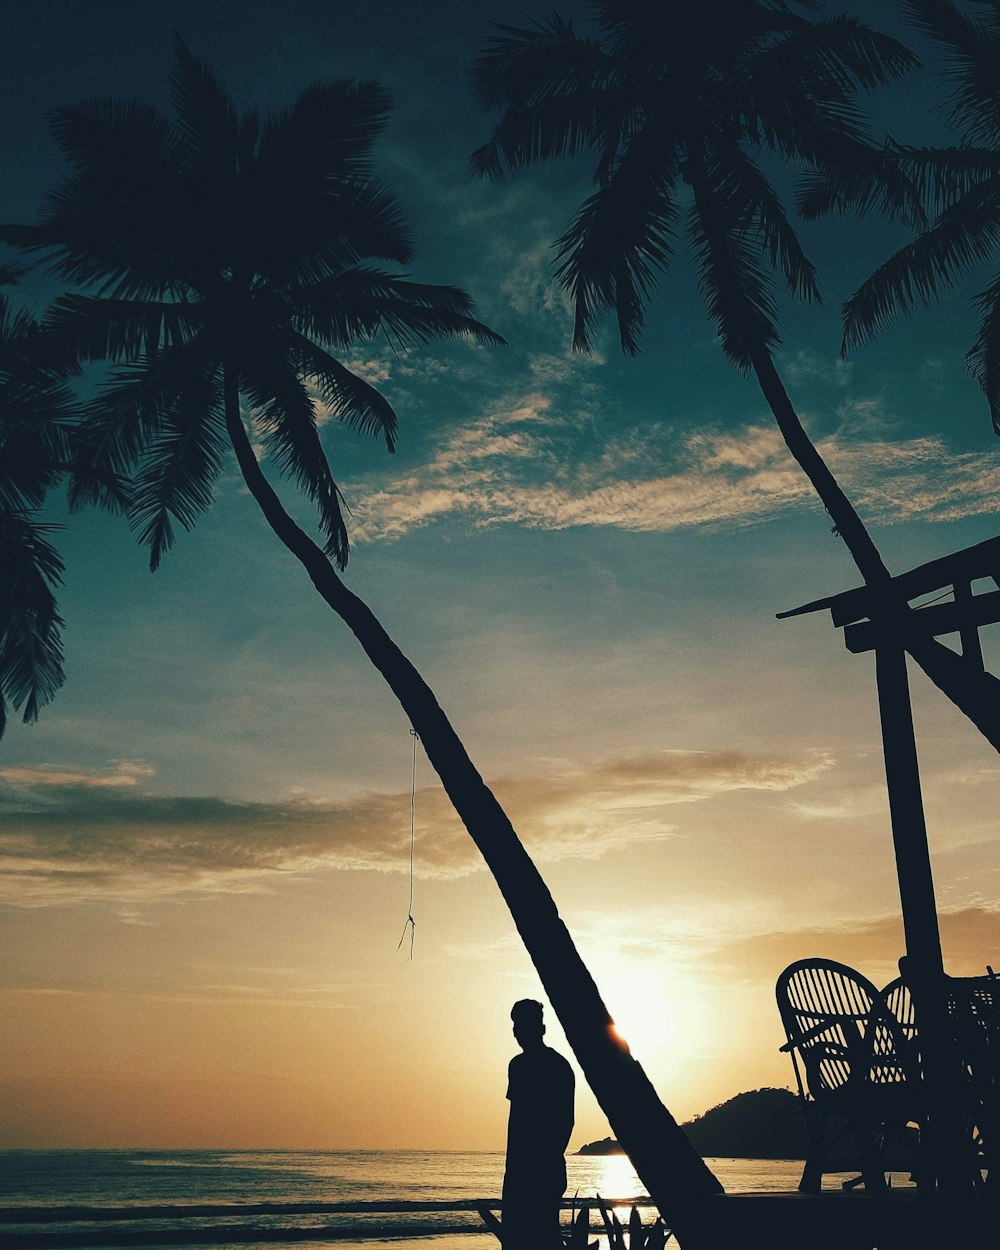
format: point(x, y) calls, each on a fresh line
point(967, 232)
point(10, 274)
point(971, 66)
point(31, 669)
point(523, 63)
point(134, 243)
point(553, 127)
point(34, 444)
point(212, 242)
point(735, 285)
point(285, 418)
point(304, 238)
point(940, 175)
point(745, 187)
point(36, 412)
point(110, 141)
point(327, 134)
point(179, 467)
point(92, 328)
point(797, 93)
point(362, 303)
point(348, 398)
point(620, 239)
point(894, 182)
point(840, 52)
point(559, 94)
point(983, 358)
point(127, 415)
point(206, 119)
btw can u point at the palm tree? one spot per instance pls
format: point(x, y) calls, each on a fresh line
point(677, 109)
point(36, 412)
point(232, 258)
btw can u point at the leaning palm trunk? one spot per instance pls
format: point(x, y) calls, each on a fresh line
point(849, 525)
point(663, 1157)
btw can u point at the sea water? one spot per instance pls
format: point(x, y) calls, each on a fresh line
point(38, 1188)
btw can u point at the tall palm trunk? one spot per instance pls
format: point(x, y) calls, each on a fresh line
point(663, 1157)
point(849, 525)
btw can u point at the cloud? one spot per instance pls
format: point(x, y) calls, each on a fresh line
point(512, 467)
point(70, 841)
point(122, 773)
point(808, 366)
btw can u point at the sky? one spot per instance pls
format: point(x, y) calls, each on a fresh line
point(204, 841)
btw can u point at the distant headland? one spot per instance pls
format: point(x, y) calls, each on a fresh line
point(758, 1124)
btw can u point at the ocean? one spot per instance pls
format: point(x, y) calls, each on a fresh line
point(101, 1199)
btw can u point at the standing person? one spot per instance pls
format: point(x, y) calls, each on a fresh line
point(540, 1085)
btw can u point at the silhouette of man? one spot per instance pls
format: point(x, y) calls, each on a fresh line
point(540, 1087)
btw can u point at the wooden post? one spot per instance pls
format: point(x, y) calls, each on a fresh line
point(906, 811)
point(944, 1153)
point(972, 649)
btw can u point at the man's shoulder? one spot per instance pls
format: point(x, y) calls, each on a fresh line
point(557, 1062)
point(544, 1059)
point(555, 1059)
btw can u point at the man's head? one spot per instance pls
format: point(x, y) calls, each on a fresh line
point(528, 1027)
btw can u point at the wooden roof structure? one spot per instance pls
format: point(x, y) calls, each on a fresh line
point(882, 618)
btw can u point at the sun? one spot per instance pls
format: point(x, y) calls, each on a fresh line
point(648, 1011)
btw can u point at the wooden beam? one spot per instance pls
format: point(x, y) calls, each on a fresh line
point(981, 560)
point(965, 615)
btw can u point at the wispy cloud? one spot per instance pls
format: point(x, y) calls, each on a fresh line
point(69, 841)
point(512, 466)
point(806, 366)
point(121, 773)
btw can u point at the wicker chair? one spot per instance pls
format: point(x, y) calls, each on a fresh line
point(973, 1005)
point(855, 1070)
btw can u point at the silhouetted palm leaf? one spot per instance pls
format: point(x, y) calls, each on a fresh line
point(349, 398)
point(284, 418)
point(36, 414)
point(30, 639)
point(963, 235)
point(972, 64)
point(180, 464)
point(983, 357)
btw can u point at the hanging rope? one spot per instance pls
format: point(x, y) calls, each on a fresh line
point(411, 924)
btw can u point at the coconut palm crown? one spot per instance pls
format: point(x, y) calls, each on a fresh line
point(663, 100)
point(229, 256)
point(957, 190)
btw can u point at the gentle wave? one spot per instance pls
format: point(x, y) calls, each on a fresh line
point(233, 1234)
